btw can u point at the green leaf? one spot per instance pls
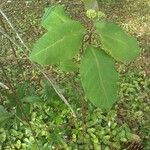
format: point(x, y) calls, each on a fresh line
point(53, 16)
point(4, 115)
point(99, 78)
point(62, 41)
point(115, 41)
point(59, 44)
point(68, 66)
point(31, 99)
point(21, 90)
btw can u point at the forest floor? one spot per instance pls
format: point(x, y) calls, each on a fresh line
point(54, 127)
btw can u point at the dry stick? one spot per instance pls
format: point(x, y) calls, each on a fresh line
point(13, 50)
point(41, 69)
point(44, 74)
point(18, 103)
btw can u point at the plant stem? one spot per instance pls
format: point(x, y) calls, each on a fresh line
point(13, 49)
point(98, 3)
point(84, 111)
point(40, 68)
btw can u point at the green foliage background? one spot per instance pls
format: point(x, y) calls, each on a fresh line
point(53, 125)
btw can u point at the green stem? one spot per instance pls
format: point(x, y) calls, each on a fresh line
point(98, 4)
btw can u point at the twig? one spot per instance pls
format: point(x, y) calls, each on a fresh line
point(41, 69)
point(13, 50)
point(84, 114)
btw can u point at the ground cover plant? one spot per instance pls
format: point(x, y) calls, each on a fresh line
point(36, 114)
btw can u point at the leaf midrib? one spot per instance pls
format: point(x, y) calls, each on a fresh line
point(124, 43)
point(56, 42)
point(99, 74)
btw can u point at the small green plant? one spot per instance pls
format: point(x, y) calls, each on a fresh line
point(99, 45)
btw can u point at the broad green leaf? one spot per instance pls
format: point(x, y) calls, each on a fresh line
point(24, 111)
point(68, 66)
point(91, 4)
point(4, 115)
point(21, 90)
point(31, 99)
point(60, 43)
point(115, 41)
point(54, 15)
point(99, 78)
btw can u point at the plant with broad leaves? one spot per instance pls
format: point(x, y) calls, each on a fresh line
point(64, 39)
